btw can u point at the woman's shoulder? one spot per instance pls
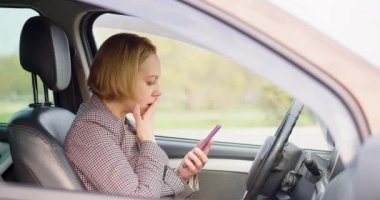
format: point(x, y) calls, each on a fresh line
point(91, 127)
point(98, 117)
point(95, 116)
point(94, 121)
point(95, 111)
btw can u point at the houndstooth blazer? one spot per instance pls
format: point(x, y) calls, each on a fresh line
point(108, 157)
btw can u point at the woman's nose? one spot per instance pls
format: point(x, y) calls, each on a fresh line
point(157, 91)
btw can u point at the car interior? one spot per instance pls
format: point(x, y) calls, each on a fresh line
point(58, 45)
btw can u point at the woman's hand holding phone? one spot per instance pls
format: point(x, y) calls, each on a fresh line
point(196, 159)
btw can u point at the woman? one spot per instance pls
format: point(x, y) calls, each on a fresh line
point(109, 153)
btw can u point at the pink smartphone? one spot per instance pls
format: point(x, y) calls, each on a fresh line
point(203, 144)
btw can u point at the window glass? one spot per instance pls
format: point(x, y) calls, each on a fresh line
point(201, 88)
point(15, 83)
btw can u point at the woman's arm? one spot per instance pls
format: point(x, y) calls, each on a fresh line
point(98, 156)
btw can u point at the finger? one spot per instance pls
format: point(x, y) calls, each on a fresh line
point(136, 113)
point(197, 162)
point(190, 166)
point(208, 147)
point(183, 162)
point(201, 155)
point(152, 108)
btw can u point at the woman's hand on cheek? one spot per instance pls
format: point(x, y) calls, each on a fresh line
point(193, 162)
point(145, 123)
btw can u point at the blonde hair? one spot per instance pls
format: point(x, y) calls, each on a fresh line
point(113, 74)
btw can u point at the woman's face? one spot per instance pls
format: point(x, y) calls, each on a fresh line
point(148, 86)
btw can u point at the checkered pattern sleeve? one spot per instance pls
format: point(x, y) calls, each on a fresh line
point(174, 184)
point(101, 160)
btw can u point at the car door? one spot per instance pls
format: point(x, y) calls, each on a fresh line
point(247, 117)
point(200, 89)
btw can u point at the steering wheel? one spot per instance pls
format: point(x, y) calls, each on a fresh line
point(270, 151)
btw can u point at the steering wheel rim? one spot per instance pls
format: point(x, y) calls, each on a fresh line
point(267, 155)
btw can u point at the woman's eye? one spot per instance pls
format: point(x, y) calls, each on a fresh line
point(150, 83)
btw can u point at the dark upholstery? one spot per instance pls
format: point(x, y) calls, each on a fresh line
point(341, 187)
point(37, 133)
point(44, 50)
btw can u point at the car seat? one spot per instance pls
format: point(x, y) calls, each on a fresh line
point(37, 133)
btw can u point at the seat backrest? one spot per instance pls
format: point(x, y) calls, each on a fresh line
point(360, 180)
point(341, 187)
point(37, 133)
point(367, 176)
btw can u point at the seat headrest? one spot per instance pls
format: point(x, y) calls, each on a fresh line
point(44, 50)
